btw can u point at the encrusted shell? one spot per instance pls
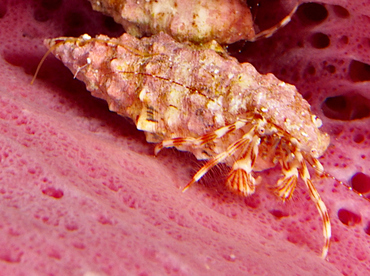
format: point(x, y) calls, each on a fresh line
point(178, 90)
point(191, 20)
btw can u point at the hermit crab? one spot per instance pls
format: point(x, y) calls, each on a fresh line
point(201, 100)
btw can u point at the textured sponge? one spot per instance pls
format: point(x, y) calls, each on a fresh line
point(81, 192)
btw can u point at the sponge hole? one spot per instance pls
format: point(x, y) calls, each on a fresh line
point(358, 138)
point(359, 71)
point(44, 9)
point(75, 20)
point(344, 40)
point(331, 69)
point(41, 15)
point(51, 5)
point(320, 41)
point(367, 228)
point(360, 182)
point(348, 218)
point(252, 202)
point(71, 226)
point(3, 8)
point(312, 13)
point(346, 107)
point(311, 70)
point(11, 256)
point(52, 192)
point(340, 11)
point(278, 213)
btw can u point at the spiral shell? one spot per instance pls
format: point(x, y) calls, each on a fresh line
point(191, 20)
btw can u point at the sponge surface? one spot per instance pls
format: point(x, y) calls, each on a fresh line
point(81, 192)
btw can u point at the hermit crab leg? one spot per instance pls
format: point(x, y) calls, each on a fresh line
point(239, 144)
point(318, 167)
point(270, 31)
point(286, 185)
point(240, 177)
point(196, 142)
point(320, 205)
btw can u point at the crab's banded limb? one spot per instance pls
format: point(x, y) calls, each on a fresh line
point(197, 142)
point(270, 31)
point(315, 164)
point(320, 205)
point(287, 184)
point(231, 150)
point(240, 177)
point(217, 160)
point(174, 142)
point(221, 132)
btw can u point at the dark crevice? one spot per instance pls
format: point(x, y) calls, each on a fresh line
point(51, 5)
point(340, 11)
point(330, 68)
point(347, 107)
point(320, 41)
point(311, 70)
point(359, 71)
point(52, 192)
point(344, 40)
point(360, 182)
point(359, 138)
point(367, 228)
point(41, 15)
point(3, 8)
point(348, 218)
point(278, 213)
point(312, 13)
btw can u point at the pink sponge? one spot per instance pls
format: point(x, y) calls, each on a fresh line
point(81, 192)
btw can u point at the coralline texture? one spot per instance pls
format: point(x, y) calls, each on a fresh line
point(173, 90)
point(191, 20)
point(131, 217)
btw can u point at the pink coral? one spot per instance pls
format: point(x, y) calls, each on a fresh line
point(81, 191)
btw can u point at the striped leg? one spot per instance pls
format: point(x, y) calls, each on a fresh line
point(245, 141)
point(269, 32)
point(240, 177)
point(286, 185)
point(200, 141)
point(320, 205)
point(315, 164)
